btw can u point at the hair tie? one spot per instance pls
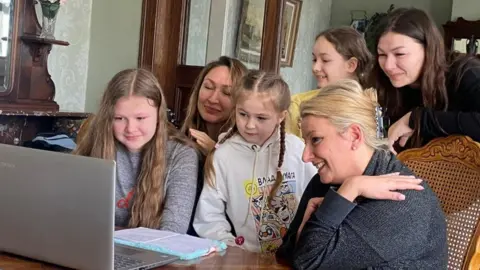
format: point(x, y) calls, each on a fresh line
point(279, 169)
point(217, 145)
point(379, 122)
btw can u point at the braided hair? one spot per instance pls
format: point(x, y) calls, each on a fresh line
point(256, 81)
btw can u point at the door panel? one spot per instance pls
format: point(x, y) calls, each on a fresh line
point(186, 76)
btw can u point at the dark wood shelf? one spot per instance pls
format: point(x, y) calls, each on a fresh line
point(36, 39)
point(44, 113)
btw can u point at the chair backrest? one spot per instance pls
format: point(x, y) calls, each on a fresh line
point(451, 166)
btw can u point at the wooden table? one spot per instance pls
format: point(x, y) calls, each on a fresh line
point(233, 258)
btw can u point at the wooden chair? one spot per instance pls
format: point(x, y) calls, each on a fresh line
point(451, 166)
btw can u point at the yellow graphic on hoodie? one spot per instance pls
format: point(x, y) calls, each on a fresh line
point(251, 188)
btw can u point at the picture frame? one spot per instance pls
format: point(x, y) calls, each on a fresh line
point(291, 18)
point(250, 31)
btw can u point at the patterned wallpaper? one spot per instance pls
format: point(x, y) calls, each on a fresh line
point(315, 17)
point(68, 65)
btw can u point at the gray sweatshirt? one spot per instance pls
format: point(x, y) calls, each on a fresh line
point(180, 186)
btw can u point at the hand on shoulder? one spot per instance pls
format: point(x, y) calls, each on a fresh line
point(381, 187)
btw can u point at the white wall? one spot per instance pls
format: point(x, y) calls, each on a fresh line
point(314, 19)
point(468, 9)
point(114, 44)
point(440, 10)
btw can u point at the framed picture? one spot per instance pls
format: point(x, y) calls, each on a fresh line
point(249, 38)
point(291, 18)
point(250, 31)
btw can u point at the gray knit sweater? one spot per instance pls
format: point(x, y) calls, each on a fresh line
point(369, 234)
point(180, 186)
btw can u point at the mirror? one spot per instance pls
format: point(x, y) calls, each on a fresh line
point(465, 45)
point(6, 16)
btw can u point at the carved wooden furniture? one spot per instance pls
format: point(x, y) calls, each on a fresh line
point(451, 166)
point(30, 88)
point(27, 92)
point(460, 29)
point(233, 258)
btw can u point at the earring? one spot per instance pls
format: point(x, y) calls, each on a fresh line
point(354, 148)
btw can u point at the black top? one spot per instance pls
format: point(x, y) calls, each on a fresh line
point(369, 234)
point(463, 114)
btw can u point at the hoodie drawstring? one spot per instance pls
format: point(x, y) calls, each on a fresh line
point(254, 148)
point(265, 196)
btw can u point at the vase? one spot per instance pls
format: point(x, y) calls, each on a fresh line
point(49, 17)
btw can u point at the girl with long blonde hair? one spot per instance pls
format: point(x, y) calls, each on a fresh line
point(156, 168)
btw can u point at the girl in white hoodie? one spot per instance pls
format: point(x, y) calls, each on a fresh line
point(255, 175)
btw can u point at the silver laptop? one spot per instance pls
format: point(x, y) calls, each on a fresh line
point(59, 208)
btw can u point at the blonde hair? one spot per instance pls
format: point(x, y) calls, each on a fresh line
point(193, 118)
point(257, 81)
point(345, 103)
point(99, 142)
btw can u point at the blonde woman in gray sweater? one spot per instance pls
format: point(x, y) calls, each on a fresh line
point(364, 209)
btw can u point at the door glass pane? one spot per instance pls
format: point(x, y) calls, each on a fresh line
point(197, 32)
point(225, 27)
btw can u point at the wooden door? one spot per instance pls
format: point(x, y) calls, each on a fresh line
point(163, 47)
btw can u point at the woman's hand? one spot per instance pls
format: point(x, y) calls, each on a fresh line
point(400, 131)
point(381, 187)
point(203, 140)
point(312, 206)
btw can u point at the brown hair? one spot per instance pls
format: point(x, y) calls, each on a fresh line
point(416, 24)
point(350, 43)
point(258, 82)
point(99, 142)
point(193, 118)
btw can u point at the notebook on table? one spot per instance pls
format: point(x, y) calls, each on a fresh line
point(186, 247)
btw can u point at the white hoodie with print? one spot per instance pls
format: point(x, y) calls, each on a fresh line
point(244, 175)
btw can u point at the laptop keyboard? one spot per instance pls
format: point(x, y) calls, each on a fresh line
point(125, 262)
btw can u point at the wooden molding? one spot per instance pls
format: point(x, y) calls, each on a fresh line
point(272, 36)
point(161, 40)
